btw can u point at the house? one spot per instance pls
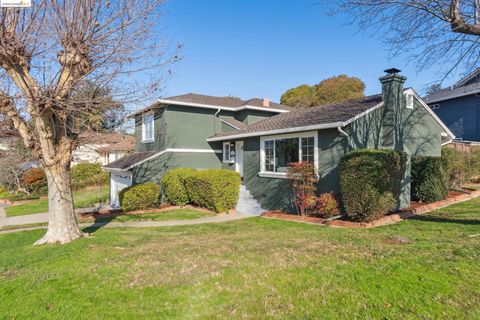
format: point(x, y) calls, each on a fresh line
point(258, 139)
point(459, 107)
point(102, 147)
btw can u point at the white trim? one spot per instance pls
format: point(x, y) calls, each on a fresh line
point(279, 131)
point(173, 150)
point(364, 113)
point(229, 160)
point(433, 114)
point(309, 134)
point(276, 175)
point(207, 106)
point(409, 100)
point(144, 140)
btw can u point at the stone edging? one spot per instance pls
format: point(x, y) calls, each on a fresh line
point(393, 218)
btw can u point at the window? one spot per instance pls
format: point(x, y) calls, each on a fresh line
point(147, 127)
point(278, 151)
point(435, 106)
point(226, 152)
point(409, 98)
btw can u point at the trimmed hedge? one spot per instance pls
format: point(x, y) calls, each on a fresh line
point(431, 177)
point(370, 182)
point(140, 197)
point(173, 186)
point(88, 174)
point(214, 189)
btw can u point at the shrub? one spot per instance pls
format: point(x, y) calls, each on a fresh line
point(215, 189)
point(173, 186)
point(35, 181)
point(458, 166)
point(140, 197)
point(430, 178)
point(326, 205)
point(370, 182)
point(304, 181)
point(88, 174)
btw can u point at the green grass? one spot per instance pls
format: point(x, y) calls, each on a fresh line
point(82, 199)
point(251, 269)
point(177, 214)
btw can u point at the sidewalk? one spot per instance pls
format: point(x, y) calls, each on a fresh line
point(43, 217)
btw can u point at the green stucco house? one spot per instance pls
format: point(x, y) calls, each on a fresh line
point(258, 138)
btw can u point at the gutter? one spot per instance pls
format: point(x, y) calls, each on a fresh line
point(343, 133)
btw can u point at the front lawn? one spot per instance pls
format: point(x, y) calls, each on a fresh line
point(176, 214)
point(82, 199)
point(422, 268)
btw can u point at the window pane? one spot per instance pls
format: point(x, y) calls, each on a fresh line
point(226, 152)
point(269, 156)
point(308, 146)
point(148, 124)
point(286, 151)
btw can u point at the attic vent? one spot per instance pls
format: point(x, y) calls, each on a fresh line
point(409, 100)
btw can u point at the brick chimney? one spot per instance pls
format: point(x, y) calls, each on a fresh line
point(266, 102)
point(393, 99)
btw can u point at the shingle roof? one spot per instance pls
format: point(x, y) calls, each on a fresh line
point(126, 144)
point(215, 102)
point(455, 92)
point(130, 160)
point(325, 114)
point(233, 123)
point(93, 137)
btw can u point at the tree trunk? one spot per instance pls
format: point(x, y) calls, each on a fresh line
point(62, 225)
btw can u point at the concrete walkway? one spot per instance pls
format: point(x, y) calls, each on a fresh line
point(138, 224)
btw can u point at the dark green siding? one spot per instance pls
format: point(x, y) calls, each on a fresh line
point(251, 116)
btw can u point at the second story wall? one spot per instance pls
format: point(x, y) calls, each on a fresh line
point(461, 115)
point(159, 132)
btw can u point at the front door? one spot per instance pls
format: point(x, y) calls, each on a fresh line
point(239, 157)
point(118, 182)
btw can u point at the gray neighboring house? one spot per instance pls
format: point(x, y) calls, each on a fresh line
point(258, 139)
point(459, 107)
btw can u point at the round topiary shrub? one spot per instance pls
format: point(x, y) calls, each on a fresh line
point(140, 197)
point(173, 186)
point(370, 182)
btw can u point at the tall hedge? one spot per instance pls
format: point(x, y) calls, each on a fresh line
point(214, 189)
point(140, 197)
point(173, 186)
point(370, 182)
point(88, 174)
point(431, 178)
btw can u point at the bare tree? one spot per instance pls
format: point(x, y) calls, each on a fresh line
point(434, 32)
point(45, 51)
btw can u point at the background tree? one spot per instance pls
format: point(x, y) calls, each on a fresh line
point(45, 52)
point(434, 88)
point(443, 34)
point(335, 89)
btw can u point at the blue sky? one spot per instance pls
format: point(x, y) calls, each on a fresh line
point(261, 48)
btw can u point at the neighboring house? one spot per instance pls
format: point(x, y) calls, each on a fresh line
point(459, 107)
point(258, 139)
point(96, 147)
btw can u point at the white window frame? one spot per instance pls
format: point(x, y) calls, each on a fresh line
point(226, 156)
point(144, 128)
point(299, 135)
point(409, 100)
point(435, 106)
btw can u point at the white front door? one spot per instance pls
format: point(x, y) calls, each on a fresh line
point(239, 157)
point(118, 182)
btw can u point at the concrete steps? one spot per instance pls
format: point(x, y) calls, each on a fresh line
point(247, 203)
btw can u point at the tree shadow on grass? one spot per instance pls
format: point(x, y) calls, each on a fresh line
point(444, 220)
point(98, 224)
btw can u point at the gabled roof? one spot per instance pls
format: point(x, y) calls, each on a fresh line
point(211, 102)
point(129, 161)
point(321, 117)
point(473, 76)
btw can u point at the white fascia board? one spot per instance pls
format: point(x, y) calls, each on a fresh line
point(278, 131)
point(429, 110)
point(364, 113)
point(163, 152)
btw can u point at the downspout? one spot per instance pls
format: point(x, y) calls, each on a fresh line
point(346, 135)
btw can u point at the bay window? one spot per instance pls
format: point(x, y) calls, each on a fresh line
point(278, 151)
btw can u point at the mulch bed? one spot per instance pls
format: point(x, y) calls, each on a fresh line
point(415, 209)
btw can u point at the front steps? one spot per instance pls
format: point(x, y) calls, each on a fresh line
point(247, 203)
